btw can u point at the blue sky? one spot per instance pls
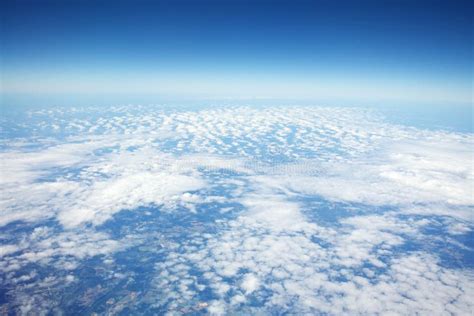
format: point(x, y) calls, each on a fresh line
point(362, 51)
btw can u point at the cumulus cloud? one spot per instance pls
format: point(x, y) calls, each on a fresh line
point(289, 271)
point(250, 283)
point(404, 174)
point(103, 186)
point(257, 184)
point(127, 192)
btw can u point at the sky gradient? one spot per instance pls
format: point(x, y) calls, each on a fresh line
point(363, 51)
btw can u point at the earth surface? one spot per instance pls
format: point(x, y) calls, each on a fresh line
point(239, 210)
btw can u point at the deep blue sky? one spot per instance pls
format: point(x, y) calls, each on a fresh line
point(379, 50)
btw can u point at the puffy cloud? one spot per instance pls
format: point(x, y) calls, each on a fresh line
point(103, 186)
point(127, 192)
point(403, 175)
point(250, 283)
point(8, 249)
point(357, 269)
point(259, 183)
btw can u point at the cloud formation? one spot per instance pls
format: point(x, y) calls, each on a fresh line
point(279, 209)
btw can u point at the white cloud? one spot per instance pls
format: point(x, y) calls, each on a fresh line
point(104, 186)
point(127, 192)
point(250, 283)
point(8, 249)
point(458, 228)
point(306, 278)
point(216, 308)
point(401, 175)
point(270, 245)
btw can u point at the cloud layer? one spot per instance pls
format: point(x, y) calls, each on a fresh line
point(247, 210)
